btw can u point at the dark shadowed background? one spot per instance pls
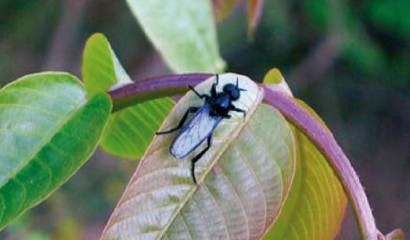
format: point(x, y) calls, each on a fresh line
point(349, 60)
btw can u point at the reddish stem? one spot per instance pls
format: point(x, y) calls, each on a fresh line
point(326, 143)
point(156, 87)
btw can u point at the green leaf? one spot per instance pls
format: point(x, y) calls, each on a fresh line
point(183, 32)
point(243, 180)
point(101, 68)
point(390, 16)
point(130, 130)
point(48, 130)
point(316, 204)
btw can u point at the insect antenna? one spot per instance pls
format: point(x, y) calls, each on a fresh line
point(237, 87)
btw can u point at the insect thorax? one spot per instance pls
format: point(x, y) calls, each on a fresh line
point(220, 105)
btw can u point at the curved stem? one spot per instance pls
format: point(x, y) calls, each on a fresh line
point(151, 88)
point(326, 143)
point(170, 85)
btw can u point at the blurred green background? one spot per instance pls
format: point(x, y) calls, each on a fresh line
point(349, 60)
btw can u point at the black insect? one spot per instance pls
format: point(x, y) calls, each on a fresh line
point(202, 124)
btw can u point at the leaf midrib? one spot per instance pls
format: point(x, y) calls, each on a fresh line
point(46, 139)
point(217, 157)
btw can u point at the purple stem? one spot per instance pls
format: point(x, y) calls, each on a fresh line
point(171, 85)
point(155, 87)
point(326, 143)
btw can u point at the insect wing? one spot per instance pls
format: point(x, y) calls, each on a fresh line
point(197, 129)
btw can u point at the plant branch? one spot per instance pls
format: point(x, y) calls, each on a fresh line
point(323, 138)
point(156, 87)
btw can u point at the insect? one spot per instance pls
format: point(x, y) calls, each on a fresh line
point(201, 125)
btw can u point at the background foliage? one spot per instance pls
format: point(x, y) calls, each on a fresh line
point(347, 59)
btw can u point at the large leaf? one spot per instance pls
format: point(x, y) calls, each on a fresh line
point(183, 31)
point(243, 180)
point(48, 130)
point(130, 130)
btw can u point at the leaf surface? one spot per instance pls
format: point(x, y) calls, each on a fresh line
point(243, 180)
point(48, 130)
point(316, 204)
point(130, 130)
point(101, 68)
point(183, 32)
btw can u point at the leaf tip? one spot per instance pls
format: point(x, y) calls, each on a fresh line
point(275, 81)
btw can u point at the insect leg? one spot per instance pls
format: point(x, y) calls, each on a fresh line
point(213, 89)
point(181, 123)
point(197, 93)
point(197, 157)
point(233, 108)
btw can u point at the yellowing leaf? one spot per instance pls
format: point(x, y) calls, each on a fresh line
point(316, 204)
point(275, 81)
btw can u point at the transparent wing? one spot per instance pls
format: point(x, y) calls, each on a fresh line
point(195, 131)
